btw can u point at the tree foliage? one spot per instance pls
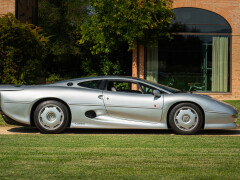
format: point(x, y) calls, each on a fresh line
point(59, 19)
point(22, 49)
point(131, 21)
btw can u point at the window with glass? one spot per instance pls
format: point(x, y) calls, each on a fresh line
point(148, 89)
point(90, 84)
point(131, 87)
point(124, 86)
point(197, 58)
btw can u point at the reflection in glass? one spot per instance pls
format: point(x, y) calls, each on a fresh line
point(152, 64)
point(220, 64)
point(190, 63)
point(199, 20)
point(196, 61)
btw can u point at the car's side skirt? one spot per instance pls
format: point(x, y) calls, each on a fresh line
point(105, 121)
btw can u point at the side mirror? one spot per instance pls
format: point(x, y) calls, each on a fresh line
point(156, 93)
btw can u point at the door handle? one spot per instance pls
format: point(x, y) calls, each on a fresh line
point(100, 97)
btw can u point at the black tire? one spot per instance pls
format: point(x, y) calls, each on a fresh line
point(186, 118)
point(51, 117)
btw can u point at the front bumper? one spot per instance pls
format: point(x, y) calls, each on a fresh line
point(221, 126)
point(216, 120)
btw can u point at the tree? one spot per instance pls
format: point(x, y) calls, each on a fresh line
point(22, 49)
point(59, 19)
point(129, 21)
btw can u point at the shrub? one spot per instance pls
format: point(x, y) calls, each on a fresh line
point(53, 78)
point(22, 49)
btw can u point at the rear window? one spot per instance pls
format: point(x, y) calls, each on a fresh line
point(90, 84)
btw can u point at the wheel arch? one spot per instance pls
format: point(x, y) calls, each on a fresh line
point(48, 99)
point(173, 105)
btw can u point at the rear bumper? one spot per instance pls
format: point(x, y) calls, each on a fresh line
point(10, 121)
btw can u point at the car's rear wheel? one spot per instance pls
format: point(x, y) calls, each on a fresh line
point(51, 117)
point(186, 118)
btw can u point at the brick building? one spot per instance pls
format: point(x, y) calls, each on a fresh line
point(24, 10)
point(204, 54)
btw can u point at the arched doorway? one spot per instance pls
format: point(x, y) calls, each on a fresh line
point(197, 58)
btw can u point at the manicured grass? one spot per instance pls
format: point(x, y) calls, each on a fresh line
point(119, 157)
point(2, 122)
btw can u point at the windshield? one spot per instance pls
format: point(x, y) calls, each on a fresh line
point(169, 89)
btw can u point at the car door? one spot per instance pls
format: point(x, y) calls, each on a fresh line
point(87, 103)
point(132, 103)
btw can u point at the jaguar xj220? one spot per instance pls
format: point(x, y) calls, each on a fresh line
point(115, 103)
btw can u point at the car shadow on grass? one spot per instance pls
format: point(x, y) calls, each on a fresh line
point(33, 130)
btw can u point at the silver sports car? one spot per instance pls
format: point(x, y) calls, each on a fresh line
point(112, 102)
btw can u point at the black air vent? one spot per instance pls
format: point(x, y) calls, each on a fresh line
point(90, 114)
point(69, 84)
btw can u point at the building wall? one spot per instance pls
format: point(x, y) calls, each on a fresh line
point(24, 10)
point(228, 9)
point(27, 11)
point(7, 6)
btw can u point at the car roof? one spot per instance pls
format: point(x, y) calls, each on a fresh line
point(74, 82)
point(97, 78)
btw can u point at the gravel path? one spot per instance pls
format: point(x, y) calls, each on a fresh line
point(31, 130)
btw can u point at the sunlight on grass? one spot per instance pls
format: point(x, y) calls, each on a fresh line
point(119, 156)
point(132, 156)
point(2, 122)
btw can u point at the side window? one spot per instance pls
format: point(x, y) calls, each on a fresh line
point(148, 89)
point(124, 86)
point(90, 84)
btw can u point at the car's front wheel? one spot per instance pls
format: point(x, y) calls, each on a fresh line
point(186, 118)
point(51, 117)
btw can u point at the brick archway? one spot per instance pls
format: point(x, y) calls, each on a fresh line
point(206, 6)
point(230, 11)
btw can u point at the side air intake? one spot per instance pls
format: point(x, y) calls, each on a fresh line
point(90, 114)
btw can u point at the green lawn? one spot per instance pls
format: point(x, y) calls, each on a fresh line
point(119, 156)
point(131, 156)
point(2, 123)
